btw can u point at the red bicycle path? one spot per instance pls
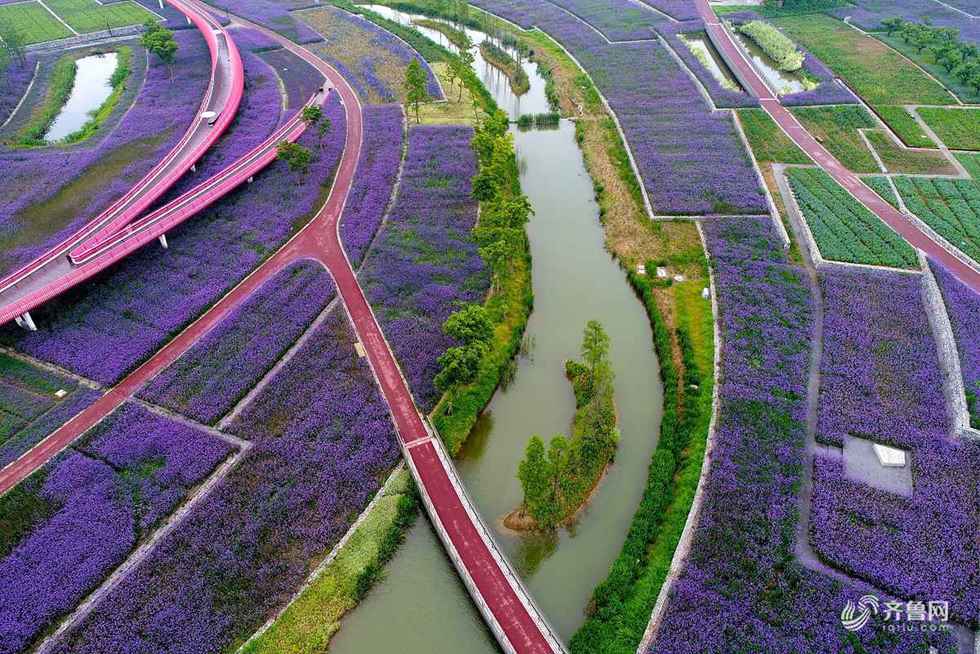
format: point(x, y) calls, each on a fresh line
point(891, 216)
point(320, 240)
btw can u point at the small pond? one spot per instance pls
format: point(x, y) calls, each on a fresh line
point(782, 82)
point(92, 88)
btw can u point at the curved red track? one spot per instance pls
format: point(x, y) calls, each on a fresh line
point(223, 96)
point(498, 592)
point(951, 259)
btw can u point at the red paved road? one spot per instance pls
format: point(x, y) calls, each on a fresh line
point(320, 240)
point(894, 218)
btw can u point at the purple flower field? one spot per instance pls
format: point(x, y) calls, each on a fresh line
point(963, 307)
point(323, 441)
point(830, 91)
point(377, 171)
point(881, 380)
point(424, 263)
point(161, 114)
point(252, 40)
point(300, 78)
point(868, 15)
point(741, 583)
point(219, 370)
point(270, 15)
point(679, 9)
point(100, 498)
point(104, 328)
point(721, 96)
point(879, 374)
point(258, 116)
point(618, 20)
point(14, 80)
point(690, 160)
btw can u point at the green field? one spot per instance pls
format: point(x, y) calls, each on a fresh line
point(879, 184)
point(905, 126)
point(913, 162)
point(959, 129)
point(837, 129)
point(32, 22)
point(843, 229)
point(768, 142)
point(926, 59)
point(949, 206)
point(878, 74)
point(87, 16)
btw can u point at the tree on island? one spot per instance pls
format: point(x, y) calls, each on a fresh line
point(416, 86)
point(161, 42)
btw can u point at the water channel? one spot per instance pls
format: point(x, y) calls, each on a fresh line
point(780, 81)
point(699, 44)
point(421, 606)
point(92, 87)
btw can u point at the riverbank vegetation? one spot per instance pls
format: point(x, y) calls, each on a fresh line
point(456, 36)
point(100, 115)
point(776, 46)
point(558, 484)
point(500, 58)
point(60, 83)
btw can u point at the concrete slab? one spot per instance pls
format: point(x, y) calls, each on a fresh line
point(880, 466)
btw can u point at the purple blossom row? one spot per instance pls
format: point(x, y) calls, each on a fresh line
point(425, 263)
point(868, 14)
point(377, 171)
point(15, 77)
point(268, 14)
point(207, 381)
point(104, 328)
point(617, 20)
point(29, 434)
point(680, 10)
point(252, 40)
point(690, 159)
point(258, 116)
point(721, 96)
point(322, 443)
point(963, 308)
point(741, 585)
point(881, 380)
point(300, 78)
point(99, 499)
point(161, 113)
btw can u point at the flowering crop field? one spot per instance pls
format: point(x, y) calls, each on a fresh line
point(842, 227)
point(963, 307)
point(868, 14)
point(949, 206)
point(106, 327)
point(69, 186)
point(219, 370)
point(425, 262)
point(322, 442)
point(377, 171)
point(881, 380)
point(371, 59)
point(741, 583)
point(81, 515)
point(617, 20)
point(15, 77)
point(299, 77)
point(29, 406)
point(660, 110)
point(272, 15)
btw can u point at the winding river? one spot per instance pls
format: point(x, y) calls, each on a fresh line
point(421, 606)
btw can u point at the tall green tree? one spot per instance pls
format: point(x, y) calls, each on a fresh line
point(535, 476)
point(295, 155)
point(416, 83)
point(161, 42)
point(471, 324)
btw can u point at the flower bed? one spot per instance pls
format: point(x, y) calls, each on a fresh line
point(219, 370)
point(322, 441)
point(741, 583)
point(659, 109)
point(33, 432)
point(98, 500)
point(617, 20)
point(258, 116)
point(300, 78)
point(868, 14)
point(15, 77)
point(881, 380)
point(949, 206)
point(271, 15)
point(679, 9)
point(844, 229)
point(70, 184)
point(106, 327)
point(963, 307)
point(371, 59)
point(828, 91)
point(721, 96)
point(252, 40)
point(377, 171)
point(425, 262)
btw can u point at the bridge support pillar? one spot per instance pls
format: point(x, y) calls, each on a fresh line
point(163, 241)
point(24, 320)
point(194, 167)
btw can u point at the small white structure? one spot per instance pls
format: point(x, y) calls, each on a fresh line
point(163, 241)
point(359, 348)
point(890, 457)
point(60, 393)
point(678, 278)
point(24, 320)
point(705, 293)
point(661, 272)
point(641, 269)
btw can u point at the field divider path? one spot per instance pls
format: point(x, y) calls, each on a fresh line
point(934, 246)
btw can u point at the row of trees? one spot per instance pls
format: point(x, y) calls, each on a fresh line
point(556, 482)
point(961, 60)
